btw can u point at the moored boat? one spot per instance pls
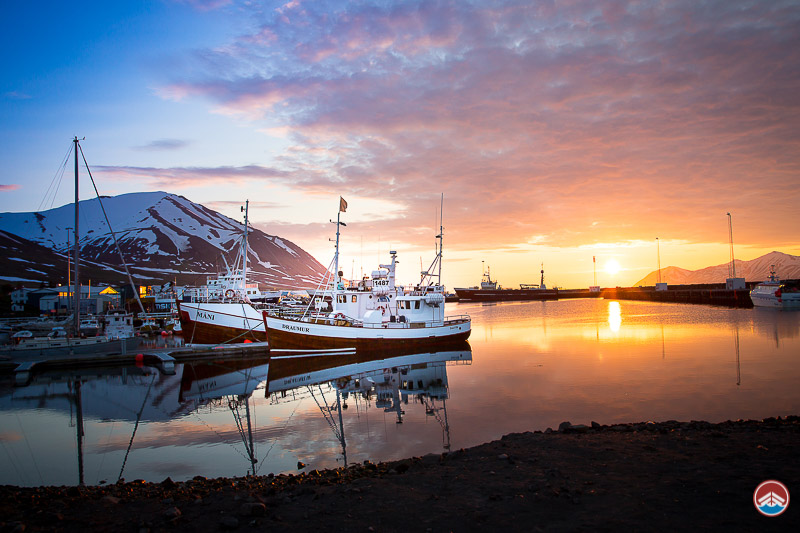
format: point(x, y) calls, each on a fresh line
point(374, 313)
point(221, 322)
point(776, 293)
point(223, 312)
point(490, 291)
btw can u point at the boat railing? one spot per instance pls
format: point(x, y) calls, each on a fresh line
point(295, 314)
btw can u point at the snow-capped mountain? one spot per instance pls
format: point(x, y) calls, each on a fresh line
point(162, 236)
point(786, 266)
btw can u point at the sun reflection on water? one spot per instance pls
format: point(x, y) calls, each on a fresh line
point(614, 316)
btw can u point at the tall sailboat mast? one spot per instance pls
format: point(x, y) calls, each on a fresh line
point(77, 310)
point(244, 250)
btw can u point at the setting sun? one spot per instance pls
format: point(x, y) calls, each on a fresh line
point(612, 267)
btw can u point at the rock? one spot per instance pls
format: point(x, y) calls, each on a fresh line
point(503, 457)
point(595, 425)
point(229, 522)
point(172, 513)
point(110, 499)
point(564, 425)
point(253, 509)
point(300, 465)
point(167, 483)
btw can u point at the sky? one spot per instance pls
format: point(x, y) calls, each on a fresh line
point(556, 132)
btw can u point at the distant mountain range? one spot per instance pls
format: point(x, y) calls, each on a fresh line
point(786, 266)
point(163, 237)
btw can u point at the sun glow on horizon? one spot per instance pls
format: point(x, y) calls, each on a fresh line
point(612, 267)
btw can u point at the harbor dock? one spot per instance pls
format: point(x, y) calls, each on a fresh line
point(23, 366)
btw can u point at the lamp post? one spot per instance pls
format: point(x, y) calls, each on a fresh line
point(658, 248)
point(69, 272)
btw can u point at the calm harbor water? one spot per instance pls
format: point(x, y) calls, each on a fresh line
point(528, 366)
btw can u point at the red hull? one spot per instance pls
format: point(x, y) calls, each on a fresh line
point(287, 339)
point(202, 333)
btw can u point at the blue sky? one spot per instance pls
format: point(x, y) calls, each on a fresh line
point(556, 131)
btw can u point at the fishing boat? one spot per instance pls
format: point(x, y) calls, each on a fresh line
point(224, 312)
point(776, 293)
point(374, 313)
point(490, 291)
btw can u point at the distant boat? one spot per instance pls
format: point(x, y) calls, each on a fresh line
point(776, 293)
point(489, 291)
point(59, 344)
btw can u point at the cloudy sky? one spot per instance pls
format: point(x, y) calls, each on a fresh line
point(557, 131)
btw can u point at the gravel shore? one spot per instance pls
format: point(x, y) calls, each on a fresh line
point(647, 476)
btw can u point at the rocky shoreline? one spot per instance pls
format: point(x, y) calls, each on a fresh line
point(642, 476)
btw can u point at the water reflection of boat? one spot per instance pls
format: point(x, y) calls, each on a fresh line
point(391, 379)
point(776, 293)
point(128, 397)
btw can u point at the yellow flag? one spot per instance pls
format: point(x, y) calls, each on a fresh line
point(342, 205)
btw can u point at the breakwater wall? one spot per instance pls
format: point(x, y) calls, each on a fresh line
point(689, 294)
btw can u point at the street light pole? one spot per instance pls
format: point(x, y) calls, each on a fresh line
point(69, 273)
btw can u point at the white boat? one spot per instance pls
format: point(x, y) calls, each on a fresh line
point(223, 311)
point(62, 345)
point(118, 324)
point(375, 313)
point(776, 293)
point(221, 322)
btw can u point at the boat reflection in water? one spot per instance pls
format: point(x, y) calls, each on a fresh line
point(139, 423)
point(391, 380)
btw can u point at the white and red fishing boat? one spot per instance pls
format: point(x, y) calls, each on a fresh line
point(374, 313)
point(222, 311)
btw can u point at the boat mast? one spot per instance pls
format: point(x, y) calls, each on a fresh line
point(77, 311)
point(244, 250)
point(441, 238)
point(428, 274)
point(336, 277)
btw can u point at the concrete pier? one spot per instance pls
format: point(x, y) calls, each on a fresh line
point(687, 294)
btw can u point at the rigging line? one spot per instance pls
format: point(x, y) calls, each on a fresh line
point(324, 279)
point(261, 462)
point(124, 264)
point(135, 427)
point(56, 181)
point(30, 450)
point(103, 457)
point(13, 463)
point(222, 439)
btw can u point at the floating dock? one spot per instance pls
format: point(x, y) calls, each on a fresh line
point(22, 365)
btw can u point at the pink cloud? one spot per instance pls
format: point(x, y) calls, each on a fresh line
point(10, 187)
point(536, 119)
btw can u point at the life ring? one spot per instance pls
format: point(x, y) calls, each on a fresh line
point(339, 316)
point(229, 293)
point(383, 310)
